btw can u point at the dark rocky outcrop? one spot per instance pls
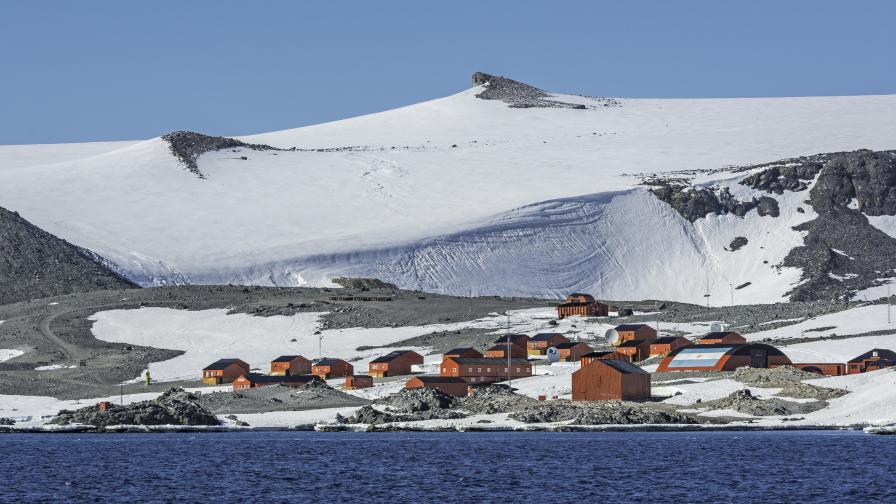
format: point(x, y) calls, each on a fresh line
point(737, 243)
point(174, 407)
point(519, 95)
point(842, 251)
point(697, 202)
point(363, 283)
point(187, 146)
point(599, 413)
point(36, 264)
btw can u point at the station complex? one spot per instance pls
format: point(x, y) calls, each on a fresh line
point(609, 373)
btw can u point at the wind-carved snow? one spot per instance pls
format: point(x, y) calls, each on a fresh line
point(428, 193)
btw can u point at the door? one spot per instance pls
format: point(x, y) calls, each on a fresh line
point(758, 358)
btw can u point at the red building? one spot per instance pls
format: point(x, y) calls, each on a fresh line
point(485, 370)
point(822, 368)
point(500, 351)
point(723, 358)
point(521, 340)
point(358, 382)
point(224, 371)
point(572, 351)
point(448, 385)
point(540, 343)
point(290, 365)
point(665, 345)
point(610, 380)
point(582, 304)
point(871, 360)
point(633, 332)
point(722, 337)
point(394, 363)
point(255, 380)
point(470, 353)
point(593, 356)
point(332, 368)
point(635, 350)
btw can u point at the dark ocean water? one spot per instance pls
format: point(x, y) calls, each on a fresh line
point(449, 467)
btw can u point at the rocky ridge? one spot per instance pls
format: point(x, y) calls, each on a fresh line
point(36, 264)
point(519, 95)
point(187, 146)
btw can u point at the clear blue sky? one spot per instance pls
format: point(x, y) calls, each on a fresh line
point(97, 70)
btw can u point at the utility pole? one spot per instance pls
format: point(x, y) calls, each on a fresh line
point(121, 394)
point(731, 285)
point(320, 345)
point(507, 347)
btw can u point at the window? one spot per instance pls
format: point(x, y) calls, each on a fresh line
point(478, 370)
point(488, 370)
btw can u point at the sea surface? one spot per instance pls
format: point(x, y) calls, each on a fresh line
point(270, 467)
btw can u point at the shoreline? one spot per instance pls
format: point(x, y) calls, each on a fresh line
point(355, 428)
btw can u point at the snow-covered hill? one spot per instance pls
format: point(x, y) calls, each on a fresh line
point(459, 194)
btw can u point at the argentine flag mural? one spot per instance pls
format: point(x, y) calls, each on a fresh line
point(698, 357)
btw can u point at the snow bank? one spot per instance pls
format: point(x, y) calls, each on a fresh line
point(9, 353)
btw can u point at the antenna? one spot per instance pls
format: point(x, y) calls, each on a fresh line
point(507, 348)
point(553, 355)
point(320, 344)
point(612, 337)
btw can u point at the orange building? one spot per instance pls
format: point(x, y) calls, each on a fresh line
point(723, 358)
point(635, 350)
point(582, 304)
point(255, 380)
point(664, 346)
point(722, 337)
point(290, 365)
point(358, 381)
point(224, 371)
point(332, 368)
point(593, 356)
point(500, 351)
point(448, 385)
point(521, 340)
point(394, 363)
point(610, 380)
point(572, 351)
point(539, 344)
point(469, 353)
point(871, 360)
point(633, 332)
point(485, 370)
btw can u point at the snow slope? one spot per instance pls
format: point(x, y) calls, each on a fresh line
point(447, 195)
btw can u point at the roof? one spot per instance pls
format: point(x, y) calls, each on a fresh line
point(455, 351)
point(220, 364)
point(356, 376)
point(631, 343)
point(263, 378)
point(623, 366)
point(719, 334)
point(502, 348)
point(700, 355)
point(287, 358)
point(439, 379)
point(630, 327)
point(545, 336)
point(569, 344)
point(389, 357)
point(597, 354)
point(512, 337)
point(497, 361)
point(669, 339)
point(330, 362)
point(883, 353)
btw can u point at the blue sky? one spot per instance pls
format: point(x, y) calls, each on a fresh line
point(92, 70)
